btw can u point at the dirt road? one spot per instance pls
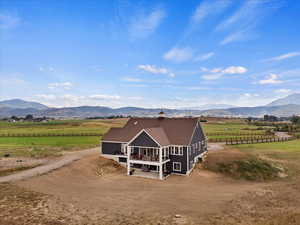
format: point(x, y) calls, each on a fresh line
point(52, 165)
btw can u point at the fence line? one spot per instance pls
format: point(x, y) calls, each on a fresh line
point(224, 139)
point(256, 140)
point(235, 134)
point(49, 135)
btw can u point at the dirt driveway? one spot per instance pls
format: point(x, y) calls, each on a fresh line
point(200, 194)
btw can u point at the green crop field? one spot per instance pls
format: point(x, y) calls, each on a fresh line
point(60, 127)
point(49, 145)
point(232, 129)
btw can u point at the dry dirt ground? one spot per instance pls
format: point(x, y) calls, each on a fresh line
point(94, 190)
point(39, 166)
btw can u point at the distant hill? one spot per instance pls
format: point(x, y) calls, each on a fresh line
point(39, 110)
point(281, 110)
point(291, 99)
point(21, 104)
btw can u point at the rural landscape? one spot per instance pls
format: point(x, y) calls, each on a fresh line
point(261, 178)
point(138, 112)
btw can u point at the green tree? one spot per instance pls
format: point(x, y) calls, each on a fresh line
point(295, 119)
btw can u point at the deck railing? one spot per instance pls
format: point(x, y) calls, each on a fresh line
point(154, 158)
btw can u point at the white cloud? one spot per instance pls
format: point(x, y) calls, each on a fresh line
point(64, 85)
point(144, 25)
point(46, 69)
point(8, 21)
point(209, 7)
point(46, 96)
point(178, 54)
point(156, 70)
point(217, 73)
point(205, 56)
point(250, 13)
point(137, 98)
point(283, 91)
point(70, 100)
point(105, 97)
point(212, 76)
point(132, 79)
point(12, 82)
point(248, 95)
point(243, 22)
point(235, 36)
point(284, 56)
point(271, 79)
point(235, 70)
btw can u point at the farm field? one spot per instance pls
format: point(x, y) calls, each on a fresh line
point(29, 144)
point(22, 138)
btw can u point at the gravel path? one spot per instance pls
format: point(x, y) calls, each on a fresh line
point(215, 146)
point(282, 134)
point(64, 160)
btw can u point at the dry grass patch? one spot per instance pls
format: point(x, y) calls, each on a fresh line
point(242, 165)
point(108, 166)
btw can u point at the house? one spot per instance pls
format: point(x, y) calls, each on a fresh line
point(156, 147)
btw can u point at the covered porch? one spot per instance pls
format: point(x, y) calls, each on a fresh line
point(147, 161)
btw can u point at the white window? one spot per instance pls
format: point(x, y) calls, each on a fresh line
point(180, 150)
point(177, 166)
point(177, 150)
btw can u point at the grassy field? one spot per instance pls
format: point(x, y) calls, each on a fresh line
point(287, 149)
point(61, 127)
point(286, 153)
point(232, 129)
point(47, 146)
point(43, 146)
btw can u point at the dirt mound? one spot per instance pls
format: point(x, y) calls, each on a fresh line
point(108, 166)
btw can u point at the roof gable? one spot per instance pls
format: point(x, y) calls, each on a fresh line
point(143, 139)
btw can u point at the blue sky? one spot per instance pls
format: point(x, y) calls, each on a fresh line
point(167, 53)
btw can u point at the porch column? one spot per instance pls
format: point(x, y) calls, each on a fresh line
point(160, 164)
point(128, 159)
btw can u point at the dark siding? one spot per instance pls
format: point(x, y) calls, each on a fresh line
point(180, 158)
point(144, 140)
point(122, 159)
point(198, 136)
point(111, 148)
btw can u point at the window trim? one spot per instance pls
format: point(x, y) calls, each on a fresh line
point(178, 163)
point(179, 150)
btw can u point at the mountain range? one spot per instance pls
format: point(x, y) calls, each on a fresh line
point(287, 106)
